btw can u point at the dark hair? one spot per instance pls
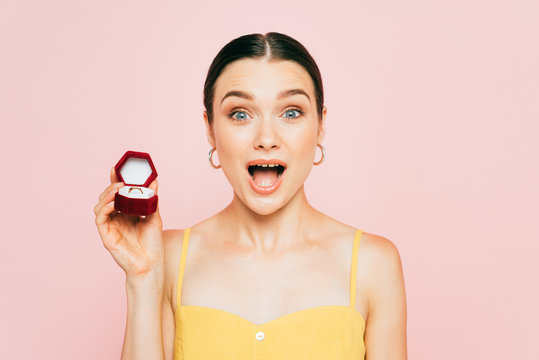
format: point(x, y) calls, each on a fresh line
point(274, 46)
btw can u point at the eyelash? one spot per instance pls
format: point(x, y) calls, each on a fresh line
point(236, 110)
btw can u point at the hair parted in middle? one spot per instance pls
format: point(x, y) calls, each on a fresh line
point(273, 46)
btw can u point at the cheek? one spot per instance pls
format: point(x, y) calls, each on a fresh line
point(301, 140)
point(231, 143)
point(302, 150)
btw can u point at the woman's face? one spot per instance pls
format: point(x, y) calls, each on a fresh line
point(257, 120)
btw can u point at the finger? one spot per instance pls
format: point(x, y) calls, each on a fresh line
point(103, 213)
point(156, 216)
point(114, 186)
point(113, 176)
point(107, 195)
point(154, 185)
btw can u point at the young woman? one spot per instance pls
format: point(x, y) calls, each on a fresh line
point(269, 276)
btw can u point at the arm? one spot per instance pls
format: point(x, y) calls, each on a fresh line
point(143, 337)
point(155, 332)
point(385, 335)
point(136, 244)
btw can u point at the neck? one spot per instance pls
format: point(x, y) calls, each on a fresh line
point(280, 230)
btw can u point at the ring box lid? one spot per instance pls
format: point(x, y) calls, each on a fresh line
point(136, 168)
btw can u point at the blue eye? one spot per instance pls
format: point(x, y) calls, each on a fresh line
point(292, 111)
point(242, 118)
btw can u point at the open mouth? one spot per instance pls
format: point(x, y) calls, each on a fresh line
point(265, 175)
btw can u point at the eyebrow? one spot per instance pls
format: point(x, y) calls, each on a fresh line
point(280, 95)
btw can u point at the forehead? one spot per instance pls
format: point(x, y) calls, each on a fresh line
point(263, 78)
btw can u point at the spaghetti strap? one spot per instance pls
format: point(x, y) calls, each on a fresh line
point(185, 245)
point(353, 270)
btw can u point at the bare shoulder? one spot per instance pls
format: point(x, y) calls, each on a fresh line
point(381, 265)
point(385, 335)
point(379, 250)
point(172, 244)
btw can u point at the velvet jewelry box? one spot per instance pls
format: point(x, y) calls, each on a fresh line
point(136, 170)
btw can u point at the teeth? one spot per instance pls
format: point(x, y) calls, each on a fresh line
point(266, 165)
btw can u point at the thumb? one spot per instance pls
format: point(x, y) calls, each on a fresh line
point(154, 185)
point(156, 216)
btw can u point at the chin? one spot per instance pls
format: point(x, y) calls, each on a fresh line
point(262, 207)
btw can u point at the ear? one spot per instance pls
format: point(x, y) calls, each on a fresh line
point(209, 130)
point(322, 126)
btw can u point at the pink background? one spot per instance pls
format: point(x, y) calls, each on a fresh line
point(432, 142)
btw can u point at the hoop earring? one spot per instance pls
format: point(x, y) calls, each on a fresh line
point(211, 162)
point(323, 154)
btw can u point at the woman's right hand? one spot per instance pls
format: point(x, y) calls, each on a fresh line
point(136, 243)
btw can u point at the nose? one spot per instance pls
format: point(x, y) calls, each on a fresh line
point(267, 137)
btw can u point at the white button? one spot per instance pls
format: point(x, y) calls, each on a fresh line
point(260, 335)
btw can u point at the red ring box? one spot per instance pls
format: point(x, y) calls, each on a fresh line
point(136, 170)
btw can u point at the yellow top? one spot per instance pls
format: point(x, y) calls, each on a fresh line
point(327, 332)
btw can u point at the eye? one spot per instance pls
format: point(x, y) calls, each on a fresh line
point(291, 111)
point(242, 115)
